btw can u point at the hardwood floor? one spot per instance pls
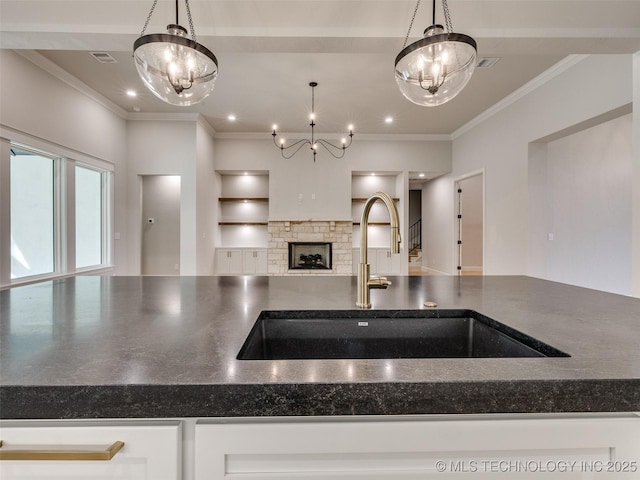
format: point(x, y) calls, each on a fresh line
point(416, 270)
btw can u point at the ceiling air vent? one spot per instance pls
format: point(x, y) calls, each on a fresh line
point(103, 57)
point(487, 62)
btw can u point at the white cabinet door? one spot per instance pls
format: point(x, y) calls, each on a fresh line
point(372, 259)
point(384, 261)
point(400, 449)
point(229, 261)
point(150, 450)
point(254, 262)
point(388, 263)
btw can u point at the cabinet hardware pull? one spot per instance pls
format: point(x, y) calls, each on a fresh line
point(57, 453)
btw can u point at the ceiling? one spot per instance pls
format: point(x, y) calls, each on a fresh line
point(268, 52)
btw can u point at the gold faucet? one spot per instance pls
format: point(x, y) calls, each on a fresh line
point(365, 280)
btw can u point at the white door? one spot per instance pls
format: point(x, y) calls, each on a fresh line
point(160, 249)
point(470, 206)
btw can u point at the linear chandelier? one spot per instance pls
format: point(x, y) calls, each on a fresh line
point(176, 69)
point(336, 150)
point(434, 69)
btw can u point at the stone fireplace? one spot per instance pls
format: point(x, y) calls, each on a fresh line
point(331, 240)
point(310, 255)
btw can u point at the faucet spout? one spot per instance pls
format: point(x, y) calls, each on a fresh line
point(365, 281)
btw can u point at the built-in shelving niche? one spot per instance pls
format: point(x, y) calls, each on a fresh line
point(244, 209)
point(363, 185)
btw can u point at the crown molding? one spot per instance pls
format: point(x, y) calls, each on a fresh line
point(163, 117)
point(172, 117)
point(202, 121)
point(383, 137)
point(64, 76)
point(546, 76)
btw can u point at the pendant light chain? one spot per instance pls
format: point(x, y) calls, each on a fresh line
point(406, 39)
point(146, 24)
point(193, 32)
point(447, 16)
point(153, 7)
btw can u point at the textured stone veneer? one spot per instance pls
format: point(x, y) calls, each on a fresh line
point(339, 233)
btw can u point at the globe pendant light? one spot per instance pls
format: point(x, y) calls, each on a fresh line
point(437, 67)
point(176, 69)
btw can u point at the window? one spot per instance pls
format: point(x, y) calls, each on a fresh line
point(89, 217)
point(33, 214)
point(44, 219)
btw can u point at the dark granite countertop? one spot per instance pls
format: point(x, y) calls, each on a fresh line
point(107, 347)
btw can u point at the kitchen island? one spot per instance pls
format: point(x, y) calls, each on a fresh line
point(166, 347)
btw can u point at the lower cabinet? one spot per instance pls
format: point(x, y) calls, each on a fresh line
point(420, 447)
point(241, 261)
point(381, 261)
point(229, 261)
point(435, 448)
point(110, 450)
point(254, 262)
point(388, 263)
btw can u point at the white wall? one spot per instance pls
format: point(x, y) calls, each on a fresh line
point(328, 179)
point(42, 111)
point(437, 225)
point(207, 190)
point(163, 148)
point(635, 199)
point(500, 144)
point(588, 200)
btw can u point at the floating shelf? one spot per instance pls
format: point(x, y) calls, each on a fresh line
point(374, 223)
point(244, 199)
point(362, 200)
point(244, 223)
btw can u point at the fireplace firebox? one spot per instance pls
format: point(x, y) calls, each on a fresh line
point(309, 256)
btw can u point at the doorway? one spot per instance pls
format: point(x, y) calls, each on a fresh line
point(160, 249)
point(415, 231)
point(470, 224)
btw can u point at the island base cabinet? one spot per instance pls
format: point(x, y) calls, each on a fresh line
point(440, 448)
point(59, 451)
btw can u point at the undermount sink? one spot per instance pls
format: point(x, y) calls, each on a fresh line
point(353, 334)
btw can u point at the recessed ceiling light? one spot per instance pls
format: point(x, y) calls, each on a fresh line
point(246, 173)
point(421, 175)
point(231, 118)
point(388, 120)
point(373, 174)
point(132, 93)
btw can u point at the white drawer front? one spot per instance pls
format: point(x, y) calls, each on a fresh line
point(150, 451)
